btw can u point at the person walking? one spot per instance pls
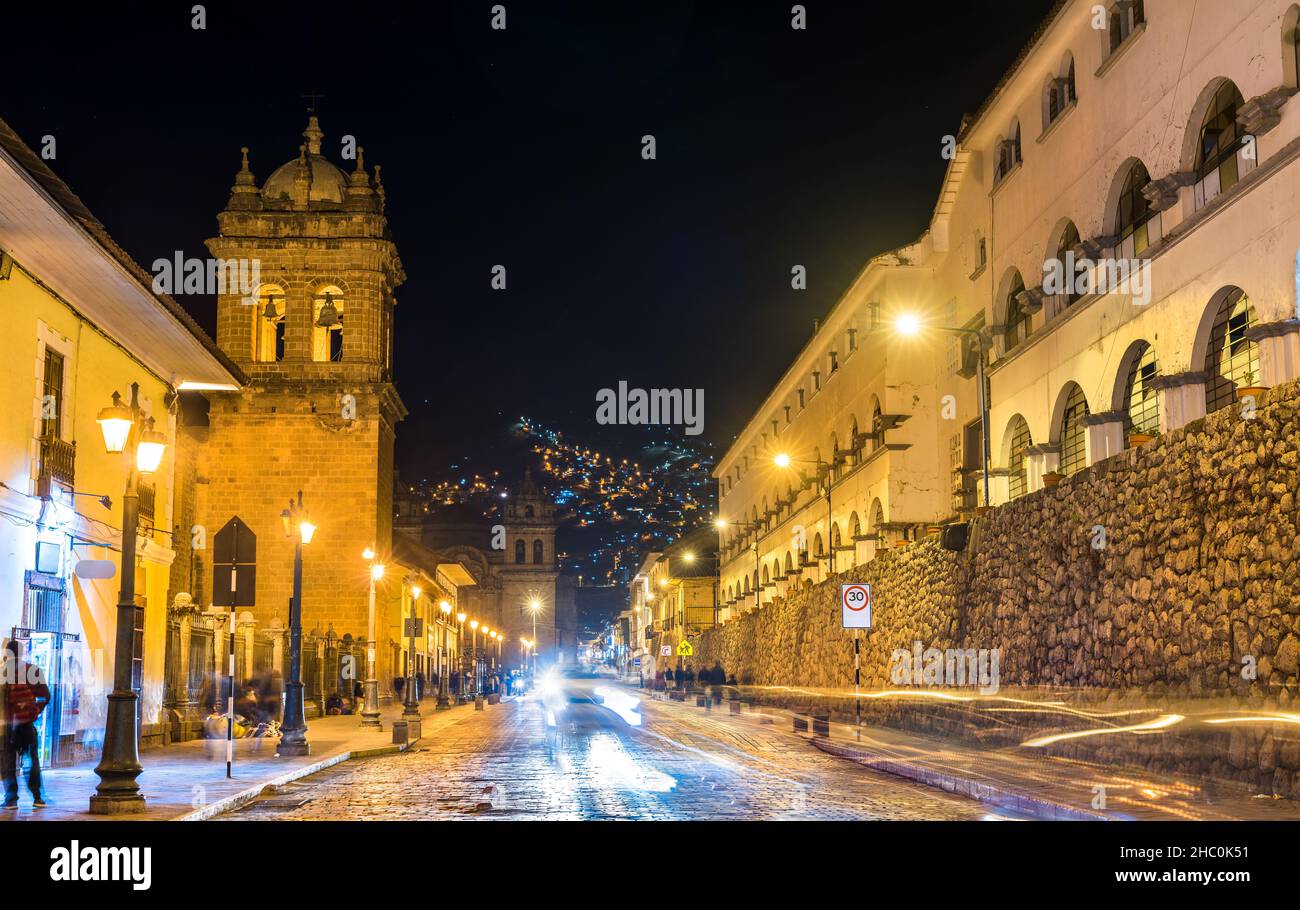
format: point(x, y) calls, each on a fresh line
point(23, 696)
point(669, 679)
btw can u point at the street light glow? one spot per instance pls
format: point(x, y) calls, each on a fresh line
point(377, 571)
point(367, 553)
point(307, 530)
point(719, 523)
point(908, 324)
point(782, 460)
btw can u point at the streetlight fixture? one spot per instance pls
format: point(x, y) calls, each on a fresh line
point(909, 325)
point(125, 429)
point(370, 707)
point(460, 654)
point(473, 656)
point(411, 710)
point(293, 732)
point(443, 701)
point(535, 606)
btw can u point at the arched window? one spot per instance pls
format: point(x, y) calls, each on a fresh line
point(789, 563)
point(877, 427)
point(1142, 404)
point(819, 547)
point(1074, 448)
point(1136, 224)
point(1291, 47)
point(1069, 240)
point(1017, 321)
point(327, 326)
point(835, 536)
point(855, 443)
point(520, 553)
point(1060, 94)
point(1219, 164)
point(1017, 482)
point(746, 585)
point(855, 527)
point(1123, 21)
point(268, 326)
point(539, 553)
point(767, 578)
point(1232, 359)
point(1008, 153)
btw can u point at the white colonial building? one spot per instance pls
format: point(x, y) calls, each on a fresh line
point(1148, 150)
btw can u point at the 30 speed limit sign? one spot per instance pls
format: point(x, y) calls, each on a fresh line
point(855, 603)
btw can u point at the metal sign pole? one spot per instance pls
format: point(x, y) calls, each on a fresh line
point(857, 681)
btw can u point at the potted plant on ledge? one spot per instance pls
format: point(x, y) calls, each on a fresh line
point(1052, 478)
point(1249, 389)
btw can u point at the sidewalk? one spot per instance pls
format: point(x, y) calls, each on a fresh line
point(1030, 784)
point(181, 782)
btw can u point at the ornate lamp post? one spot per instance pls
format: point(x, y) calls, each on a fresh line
point(370, 710)
point(473, 656)
point(412, 708)
point(443, 662)
point(460, 655)
point(293, 733)
point(125, 429)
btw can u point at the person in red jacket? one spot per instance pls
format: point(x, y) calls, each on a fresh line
point(23, 696)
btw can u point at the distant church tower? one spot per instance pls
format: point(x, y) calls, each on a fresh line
point(529, 571)
point(320, 409)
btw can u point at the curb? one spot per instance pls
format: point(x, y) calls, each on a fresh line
point(244, 797)
point(1034, 806)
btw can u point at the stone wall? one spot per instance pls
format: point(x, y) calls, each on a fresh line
point(1151, 578)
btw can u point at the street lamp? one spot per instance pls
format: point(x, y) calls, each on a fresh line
point(443, 701)
point(293, 732)
point(473, 656)
point(783, 460)
point(125, 429)
point(535, 606)
point(909, 325)
point(460, 654)
point(370, 708)
point(411, 710)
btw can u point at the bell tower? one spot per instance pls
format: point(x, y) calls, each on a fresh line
point(313, 333)
point(530, 570)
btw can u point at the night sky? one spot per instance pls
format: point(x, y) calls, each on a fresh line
point(775, 147)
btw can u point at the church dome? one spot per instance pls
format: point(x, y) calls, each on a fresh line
point(327, 182)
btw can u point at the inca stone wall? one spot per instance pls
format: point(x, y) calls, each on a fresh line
point(1158, 577)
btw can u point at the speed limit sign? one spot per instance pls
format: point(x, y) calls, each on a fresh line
point(855, 603)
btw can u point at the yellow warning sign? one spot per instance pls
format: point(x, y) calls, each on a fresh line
point(684, 649)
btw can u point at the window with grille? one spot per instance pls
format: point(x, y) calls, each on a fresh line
point(1017, 319)
point(1232, 359)
point(1137, 224)
point(1017, 483)
point(1074, 449)
point(1143, 402)
point(1124, 21)
point(52, 403)
point(877, 428)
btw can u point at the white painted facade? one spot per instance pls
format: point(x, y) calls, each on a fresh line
point(1222, 227)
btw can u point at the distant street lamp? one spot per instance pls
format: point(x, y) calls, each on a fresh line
point(443, 701)
point(370, 710)
point(125, 429)
point(473, 657)
point(412, 706)
point(909, 325)
point(460, 654)
point(293, 732)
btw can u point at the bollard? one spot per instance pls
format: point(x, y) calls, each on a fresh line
point(701, 701)
point(478, 703)
point(821, 725)
point(800, 724)
point(399, 732)
point(413, 728)
point(734, 705)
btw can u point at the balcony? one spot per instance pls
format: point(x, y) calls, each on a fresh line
point(58, 460)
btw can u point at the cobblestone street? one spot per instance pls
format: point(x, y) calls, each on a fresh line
point(679, 763)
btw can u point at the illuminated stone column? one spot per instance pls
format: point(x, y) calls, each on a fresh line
point(1039, 460)
point(1279, 350)
point(1181, 397)
point(1104, 435)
